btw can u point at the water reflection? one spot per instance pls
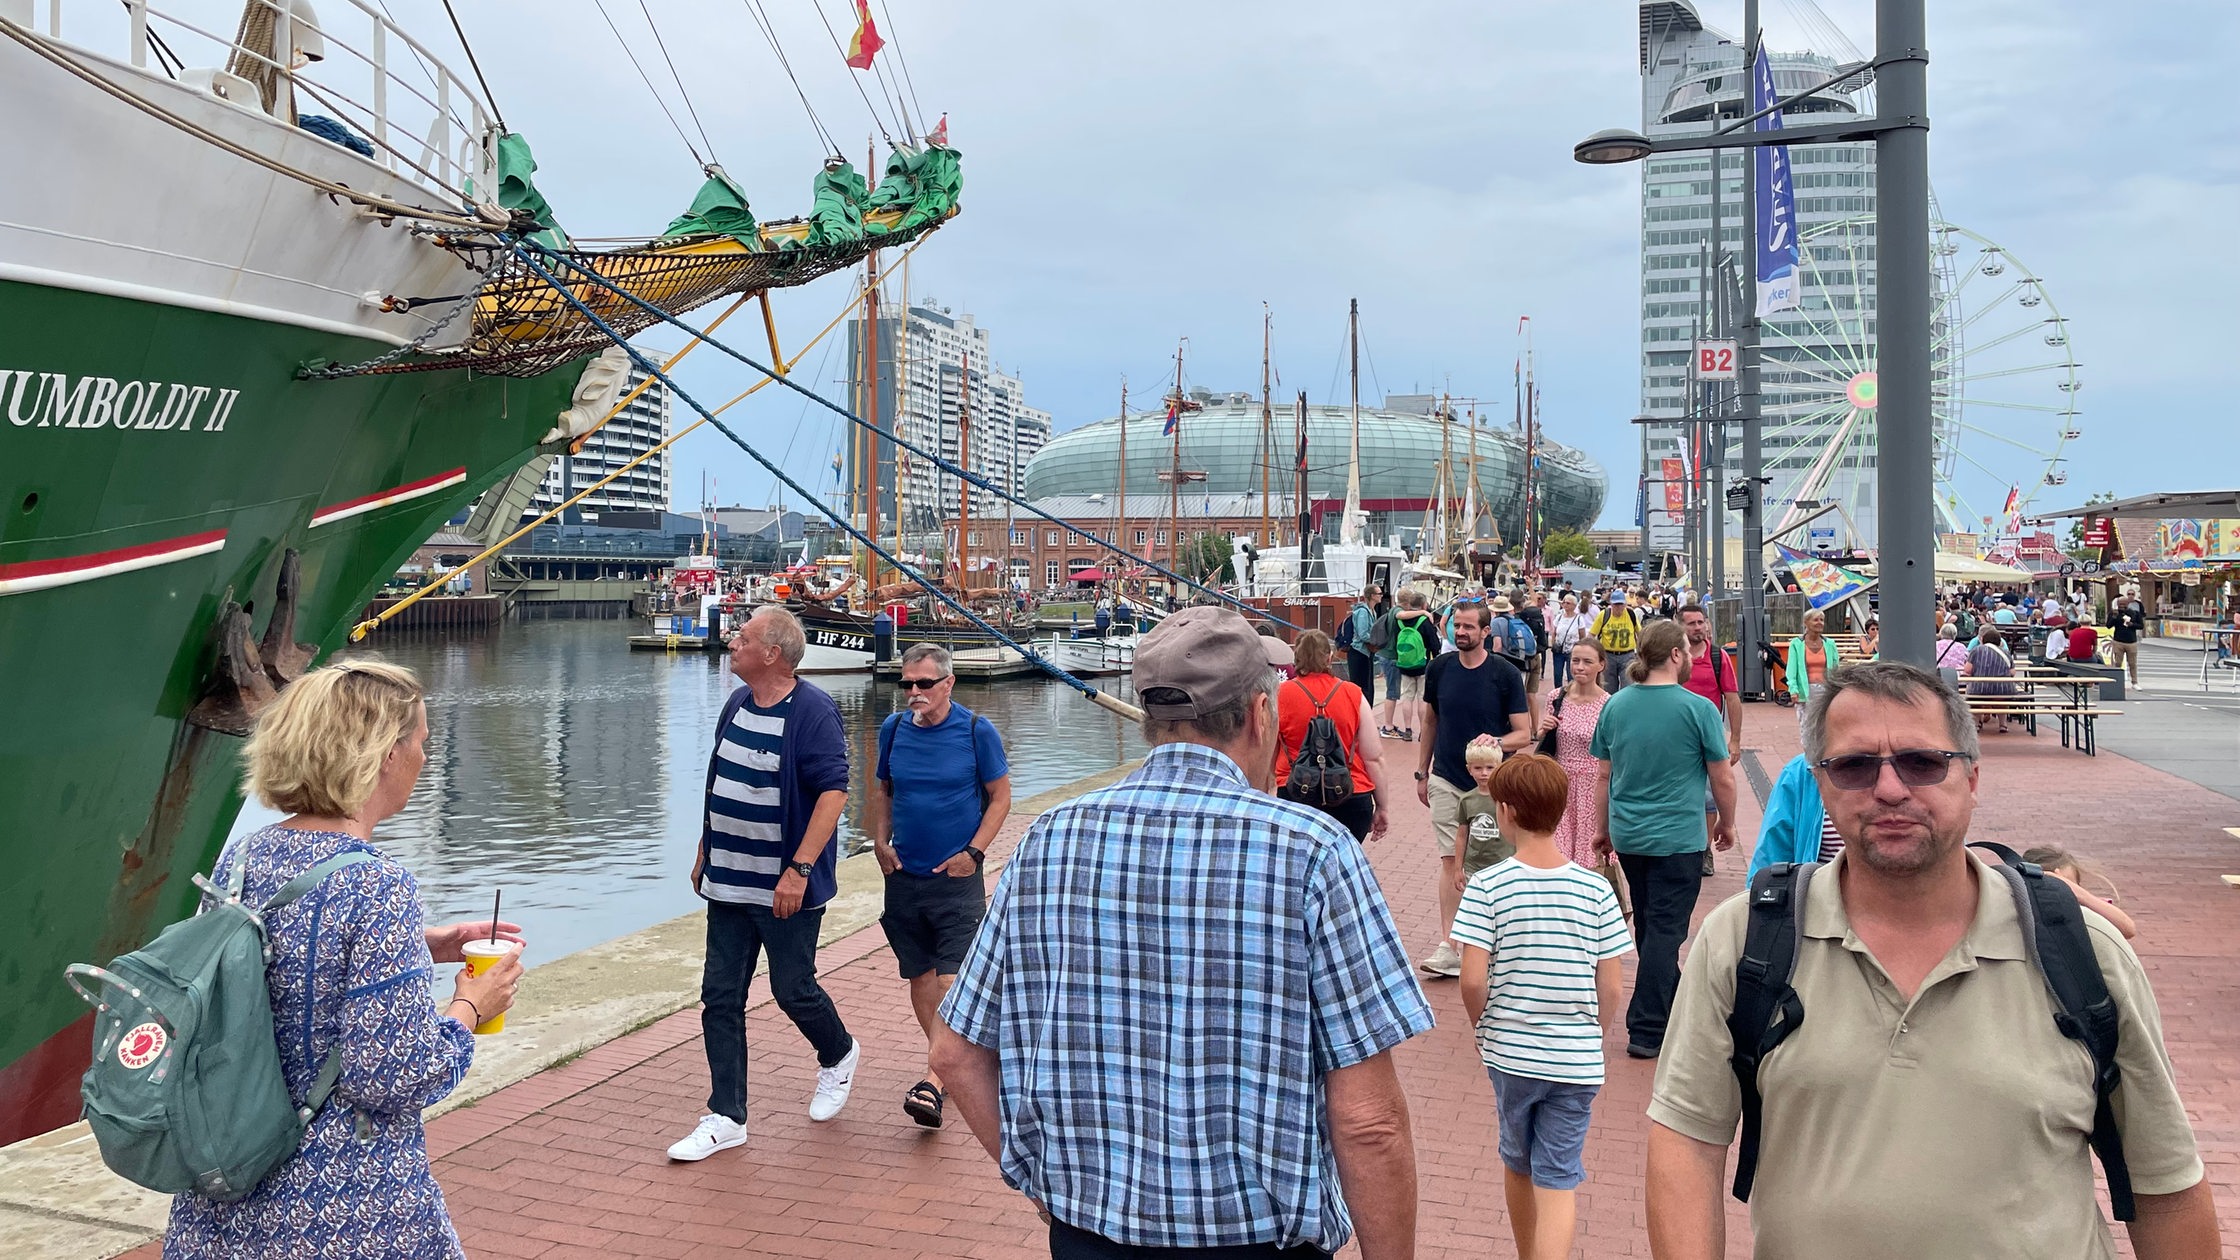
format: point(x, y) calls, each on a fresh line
point(568, 770)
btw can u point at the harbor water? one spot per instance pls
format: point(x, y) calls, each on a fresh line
point(568, 770)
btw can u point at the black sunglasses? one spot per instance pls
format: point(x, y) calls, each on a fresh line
point(920, 684)
point(1916, 767)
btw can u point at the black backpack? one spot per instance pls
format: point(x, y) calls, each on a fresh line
point(1767, 1009)
point(1322, 773)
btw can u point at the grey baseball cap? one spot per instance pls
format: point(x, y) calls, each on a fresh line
point(1209, 654)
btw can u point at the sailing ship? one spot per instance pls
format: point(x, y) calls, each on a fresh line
point(267, 322)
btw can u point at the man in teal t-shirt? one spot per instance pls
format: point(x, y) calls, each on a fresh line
point(1659, 744)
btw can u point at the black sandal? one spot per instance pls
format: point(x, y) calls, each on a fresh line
point(923, 1104)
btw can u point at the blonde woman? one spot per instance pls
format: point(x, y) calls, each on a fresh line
point(351, 972)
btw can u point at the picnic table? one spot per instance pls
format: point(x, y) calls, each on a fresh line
point(2068, 698)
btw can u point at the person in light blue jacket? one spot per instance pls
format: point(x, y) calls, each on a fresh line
point(1796, 823)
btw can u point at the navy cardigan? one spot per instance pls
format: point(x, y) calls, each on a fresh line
point(812, 760)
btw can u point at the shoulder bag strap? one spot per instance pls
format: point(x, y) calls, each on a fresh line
point(2054, 930)
point(1766, 1007)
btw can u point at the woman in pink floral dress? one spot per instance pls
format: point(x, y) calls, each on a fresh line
point(1572, 715)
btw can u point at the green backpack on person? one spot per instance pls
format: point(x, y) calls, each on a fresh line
point(1408, 650)
point(186, 1093)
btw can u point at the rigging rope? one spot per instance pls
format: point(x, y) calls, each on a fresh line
point(902, 61)
point(770, 35)
point(476, 66)
point(359, 631)
point(674, 77)
point(870, 544)
point(341, 191)
point(648, 80)
point(522, 249)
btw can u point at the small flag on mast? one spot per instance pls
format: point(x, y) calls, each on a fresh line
point(865, 43)
point(1174, 418)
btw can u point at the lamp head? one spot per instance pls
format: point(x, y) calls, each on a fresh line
point(1611, 147)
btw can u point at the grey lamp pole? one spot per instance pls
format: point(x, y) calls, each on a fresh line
point(1644, 426)
point(1904, 527)
point(1905, 432)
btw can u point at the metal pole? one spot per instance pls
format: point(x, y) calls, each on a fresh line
point(1905, 529)
point(1715, 318)
point(1753, 625)
point(1644, 503)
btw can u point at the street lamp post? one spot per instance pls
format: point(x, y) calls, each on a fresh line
point(1905, 438)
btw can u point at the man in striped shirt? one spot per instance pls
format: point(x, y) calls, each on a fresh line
point(777, 781)
point(1541, 937)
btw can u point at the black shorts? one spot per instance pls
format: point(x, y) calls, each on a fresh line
point(931, 919)
point(1356, 814)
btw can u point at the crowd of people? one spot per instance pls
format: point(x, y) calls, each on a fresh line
point(1172, 1025)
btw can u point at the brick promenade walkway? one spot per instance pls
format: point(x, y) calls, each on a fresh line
point(569, 1163)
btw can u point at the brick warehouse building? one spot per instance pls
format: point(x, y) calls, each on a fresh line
point(1044, 555)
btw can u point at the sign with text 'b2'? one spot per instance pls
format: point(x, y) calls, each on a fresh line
point(1715, 360)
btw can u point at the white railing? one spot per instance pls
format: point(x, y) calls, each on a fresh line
point(423, 122)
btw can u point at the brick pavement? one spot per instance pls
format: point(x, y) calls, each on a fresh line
point(569, 1163)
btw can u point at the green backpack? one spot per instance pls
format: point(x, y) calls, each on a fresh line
point(1408, 650)
point(186, 1093)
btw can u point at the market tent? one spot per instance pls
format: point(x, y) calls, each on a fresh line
point(1088, 575)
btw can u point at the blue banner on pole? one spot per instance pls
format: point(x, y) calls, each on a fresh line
point(1777, 205)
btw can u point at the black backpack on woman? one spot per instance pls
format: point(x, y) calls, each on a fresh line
point(1322, 774)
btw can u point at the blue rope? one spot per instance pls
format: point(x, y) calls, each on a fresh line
point(648, 367)
point(943, 464)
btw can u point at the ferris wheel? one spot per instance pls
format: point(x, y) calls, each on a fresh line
point(2003, 381)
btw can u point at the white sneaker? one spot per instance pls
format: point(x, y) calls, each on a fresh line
point(715, 1133)
point(1444, 961)
point(833, 1084)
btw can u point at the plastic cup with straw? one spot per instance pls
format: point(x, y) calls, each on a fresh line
point(481, 956)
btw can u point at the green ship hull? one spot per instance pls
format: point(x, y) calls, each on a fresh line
point(158, 465)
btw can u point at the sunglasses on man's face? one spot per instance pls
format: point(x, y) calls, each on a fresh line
point(919, 684)
point(1916, 767)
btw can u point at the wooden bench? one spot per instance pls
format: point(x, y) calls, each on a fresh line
point(2031, 704)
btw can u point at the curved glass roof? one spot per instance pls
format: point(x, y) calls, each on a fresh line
point(1399, 460)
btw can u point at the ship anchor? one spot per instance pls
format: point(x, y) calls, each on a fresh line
point(250, 674)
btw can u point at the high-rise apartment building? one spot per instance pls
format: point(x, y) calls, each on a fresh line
point(1693, 80)
point(637, 429)
point(947, 370)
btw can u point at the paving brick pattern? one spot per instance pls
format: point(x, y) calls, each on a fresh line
point(570, 1163)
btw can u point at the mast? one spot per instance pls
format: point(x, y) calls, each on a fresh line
point(1352, 522)
point(1529, 548)
point(871, 403)
point(1122, 536)
point(1267, 419)
point(1446, 472)
point(1299, 490)
point(1174, 481)
point(964, 487)
point(901, 402)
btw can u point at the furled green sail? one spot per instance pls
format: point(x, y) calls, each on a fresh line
point(516, 191)
point(720, 209)
point(836, 214)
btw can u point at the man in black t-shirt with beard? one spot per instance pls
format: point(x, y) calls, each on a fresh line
point(1467, 693)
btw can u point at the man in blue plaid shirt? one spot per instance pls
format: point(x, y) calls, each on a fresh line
point(1173, 1031)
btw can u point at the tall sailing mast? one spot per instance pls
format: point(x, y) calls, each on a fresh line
point(870, 411)
point(1299, 491)
point(1529, 548)
point(1267, 420)
point(901, 404)
point(1174, 479)
point(1122, 536)
point(1352, 525)
point(964, 487)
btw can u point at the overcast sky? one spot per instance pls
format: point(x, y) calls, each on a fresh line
point(1140, 173)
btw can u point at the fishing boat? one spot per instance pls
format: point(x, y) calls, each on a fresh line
point(269, 314)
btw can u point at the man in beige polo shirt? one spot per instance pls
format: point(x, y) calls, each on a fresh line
point(1927, 1107)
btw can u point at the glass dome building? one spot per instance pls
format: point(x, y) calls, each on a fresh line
point(1400, 451)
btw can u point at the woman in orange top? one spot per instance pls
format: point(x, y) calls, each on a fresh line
point(1317, 689)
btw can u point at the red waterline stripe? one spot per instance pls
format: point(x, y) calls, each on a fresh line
point(35, 575)
point(383, 498)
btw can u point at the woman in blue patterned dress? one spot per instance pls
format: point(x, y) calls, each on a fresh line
point(352, 967)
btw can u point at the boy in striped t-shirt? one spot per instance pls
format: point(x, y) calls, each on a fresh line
point(1541, 937)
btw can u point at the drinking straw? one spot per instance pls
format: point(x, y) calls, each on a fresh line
point(495, 902)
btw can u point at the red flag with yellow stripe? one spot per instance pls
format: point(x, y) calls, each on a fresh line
point(865, 42)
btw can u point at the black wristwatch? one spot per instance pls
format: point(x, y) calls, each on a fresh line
point(1421, 776)
point(803, 869)
point(979, 856)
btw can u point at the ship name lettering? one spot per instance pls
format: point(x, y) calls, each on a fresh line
point(56, 400)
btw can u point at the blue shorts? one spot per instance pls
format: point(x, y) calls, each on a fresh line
point(1544, 1128)
point(1389, 670)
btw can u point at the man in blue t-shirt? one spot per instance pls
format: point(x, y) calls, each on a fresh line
point(940, 794)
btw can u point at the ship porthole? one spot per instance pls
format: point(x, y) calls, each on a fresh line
point(30, 501)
